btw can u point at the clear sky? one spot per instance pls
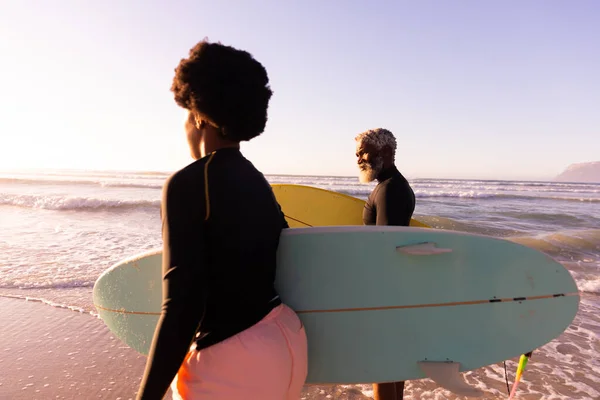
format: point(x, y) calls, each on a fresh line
point(472, 89)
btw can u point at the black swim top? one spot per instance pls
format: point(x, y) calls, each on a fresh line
point(221, 229)
point(392, 202)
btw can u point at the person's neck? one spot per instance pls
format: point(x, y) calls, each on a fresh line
point(206, 147)
point(386, 172)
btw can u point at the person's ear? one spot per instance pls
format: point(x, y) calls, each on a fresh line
point(199, 122)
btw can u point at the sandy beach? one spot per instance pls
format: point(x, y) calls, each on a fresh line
point(55, 353)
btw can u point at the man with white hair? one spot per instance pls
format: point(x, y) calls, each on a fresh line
point(392, 202)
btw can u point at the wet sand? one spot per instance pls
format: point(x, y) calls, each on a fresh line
point(54, 353)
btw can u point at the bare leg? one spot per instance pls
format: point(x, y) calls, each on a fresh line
point(388, 391)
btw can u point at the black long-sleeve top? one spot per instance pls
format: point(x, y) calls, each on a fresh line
point(392, 202)
point(221, 228)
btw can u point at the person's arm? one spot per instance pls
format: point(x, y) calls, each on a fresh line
point(369, 215)
point(285, 223)
point(392, 206)
point(183, 286)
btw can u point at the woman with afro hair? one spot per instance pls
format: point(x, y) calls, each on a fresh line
point(223, 333)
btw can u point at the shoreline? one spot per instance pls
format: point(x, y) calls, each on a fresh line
point(61, 353)
point(54, 353)
point(51, 352)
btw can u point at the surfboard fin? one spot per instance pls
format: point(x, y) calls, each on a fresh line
point(446, 375)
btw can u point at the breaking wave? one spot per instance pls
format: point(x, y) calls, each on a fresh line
point(74, 203)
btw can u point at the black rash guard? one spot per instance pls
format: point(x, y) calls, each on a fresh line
point(392, 202)
point(221, 229)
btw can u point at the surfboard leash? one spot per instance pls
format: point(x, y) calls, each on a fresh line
point(522, 364)
point(297, 220)
point(506, 378)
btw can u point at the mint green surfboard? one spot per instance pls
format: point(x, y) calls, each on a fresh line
point(386, 303)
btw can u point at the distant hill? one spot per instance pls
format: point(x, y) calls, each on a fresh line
point(581, 172)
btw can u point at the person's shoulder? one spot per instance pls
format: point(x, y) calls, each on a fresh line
point(379, 191)
point(398, 181)
point(191, 174)
point(394, 186)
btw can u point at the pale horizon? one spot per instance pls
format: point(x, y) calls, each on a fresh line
point(41, 171)
point(505, 91)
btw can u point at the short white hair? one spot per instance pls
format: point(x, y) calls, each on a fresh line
point(378, 138)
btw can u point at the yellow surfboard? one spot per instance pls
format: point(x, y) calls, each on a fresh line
point(306, 206)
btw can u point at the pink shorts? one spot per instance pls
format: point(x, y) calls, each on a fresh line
point(267, 361)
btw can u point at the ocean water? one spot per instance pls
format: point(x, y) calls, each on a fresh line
point(59, 230)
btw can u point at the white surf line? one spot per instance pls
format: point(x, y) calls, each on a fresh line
point(451, 304)
point(47, 302)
